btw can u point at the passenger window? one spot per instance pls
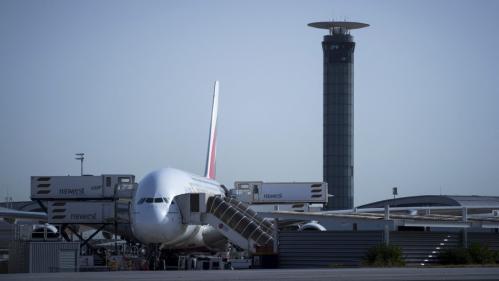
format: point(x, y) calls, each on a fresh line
point(149, 200)
point(158, 200)
point(141, 201)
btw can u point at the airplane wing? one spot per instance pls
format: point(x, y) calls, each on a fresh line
point(15, 214)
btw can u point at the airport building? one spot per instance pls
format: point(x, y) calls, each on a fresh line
point(90, 223)
point(474, 202)
point(278, 223)
point(338, 168)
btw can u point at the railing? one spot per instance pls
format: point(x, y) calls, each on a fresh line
point(240, 220)
point(265, 224)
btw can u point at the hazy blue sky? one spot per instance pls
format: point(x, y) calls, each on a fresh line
point(130, 84)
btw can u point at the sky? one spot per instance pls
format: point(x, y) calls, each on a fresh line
point(129, 83)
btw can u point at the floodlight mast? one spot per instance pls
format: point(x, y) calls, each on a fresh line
point(80, 158)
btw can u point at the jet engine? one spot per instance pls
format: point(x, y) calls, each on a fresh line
point(312, 226)
point(44, 231)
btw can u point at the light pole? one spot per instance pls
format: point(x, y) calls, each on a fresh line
point(80, 157)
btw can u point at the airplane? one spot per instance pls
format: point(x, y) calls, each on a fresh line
point(155, 216)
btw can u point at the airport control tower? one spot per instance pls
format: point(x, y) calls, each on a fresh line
point(338, 47)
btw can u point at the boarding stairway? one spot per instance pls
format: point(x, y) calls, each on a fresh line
point(232, 218)
point(240, 219)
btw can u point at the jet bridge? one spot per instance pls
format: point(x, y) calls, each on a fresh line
point(234, 219)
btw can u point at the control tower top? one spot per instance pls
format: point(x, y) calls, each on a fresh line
point(338, 27)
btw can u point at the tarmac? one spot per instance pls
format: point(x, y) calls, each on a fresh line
point(344, 274)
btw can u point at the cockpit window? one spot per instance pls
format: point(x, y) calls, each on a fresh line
point(153, 200)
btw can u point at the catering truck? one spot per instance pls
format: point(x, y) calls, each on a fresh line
point(284, 196)
point(82, 187)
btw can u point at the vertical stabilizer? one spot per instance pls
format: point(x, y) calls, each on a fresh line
point(212, 142)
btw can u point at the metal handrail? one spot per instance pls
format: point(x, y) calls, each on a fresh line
point(224, 205)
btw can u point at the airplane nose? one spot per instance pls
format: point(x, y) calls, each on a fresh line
point(148, 220)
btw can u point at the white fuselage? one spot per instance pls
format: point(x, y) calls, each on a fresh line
point(156, 217)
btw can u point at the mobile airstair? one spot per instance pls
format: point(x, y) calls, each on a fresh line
point(234, 219)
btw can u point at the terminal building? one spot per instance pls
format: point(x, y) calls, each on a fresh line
point(474, 202)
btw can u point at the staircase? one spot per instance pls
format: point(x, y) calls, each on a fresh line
point(241, 225)
point(422, 248)
point(241, 207)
